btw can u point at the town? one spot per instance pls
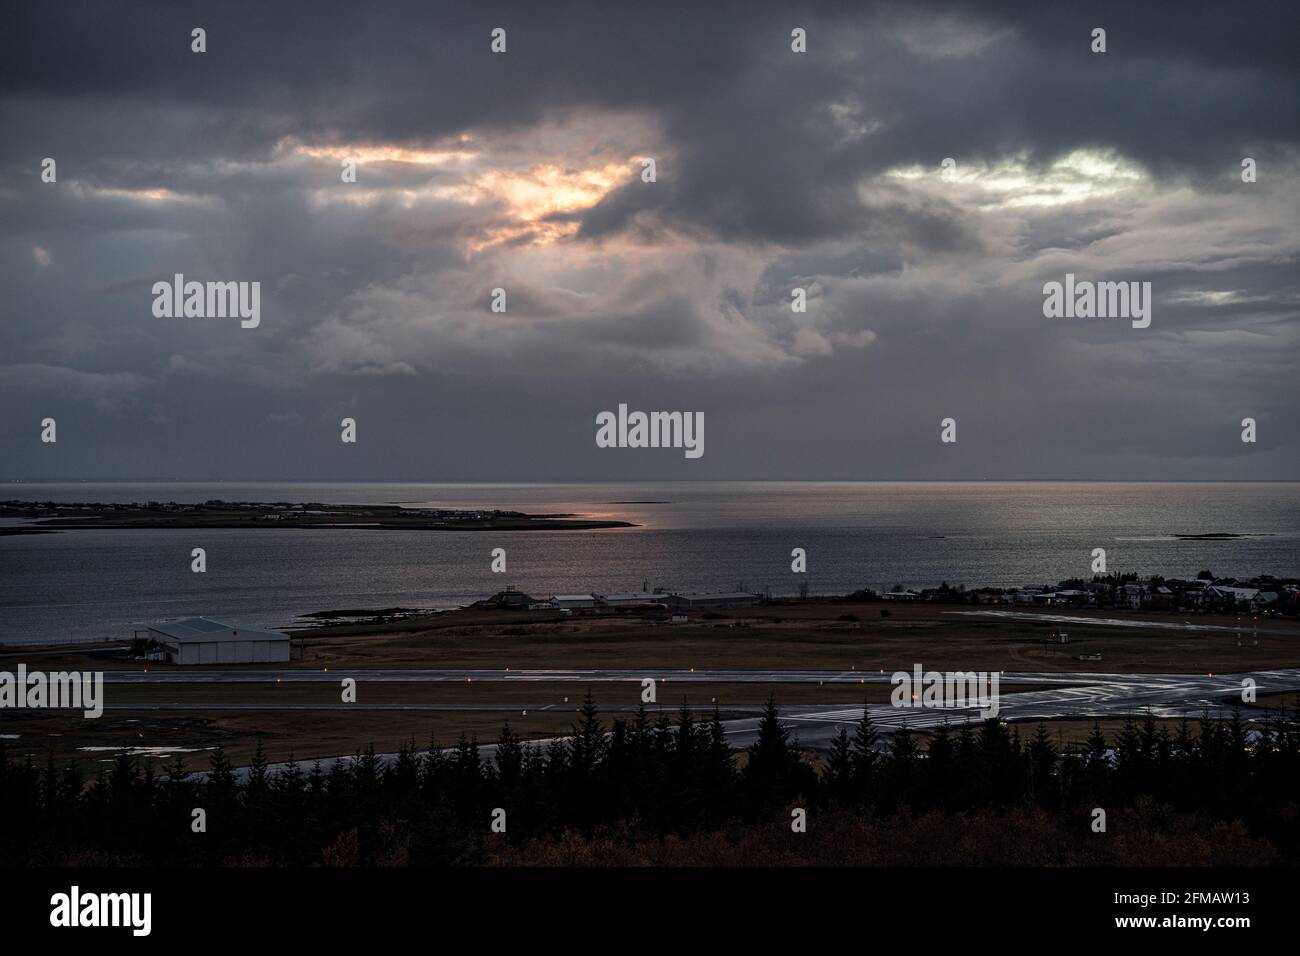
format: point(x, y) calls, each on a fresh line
point(1206, 593)
point(1203, 594)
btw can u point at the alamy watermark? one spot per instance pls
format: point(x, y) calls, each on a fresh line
point(951, 689)
point(1085, 299)
point(208, 300)
point(75, 908)
point(651, 430)
point(60, 690)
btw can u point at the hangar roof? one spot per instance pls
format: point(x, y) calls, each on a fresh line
point(200, 630)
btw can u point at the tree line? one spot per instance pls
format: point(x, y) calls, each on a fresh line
point(644, 775)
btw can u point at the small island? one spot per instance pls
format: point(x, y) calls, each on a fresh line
point(49, 517)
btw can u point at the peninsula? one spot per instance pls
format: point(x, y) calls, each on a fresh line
point(50, 517)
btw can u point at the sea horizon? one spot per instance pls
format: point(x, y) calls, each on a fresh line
point(661, 481)
point(689, 535)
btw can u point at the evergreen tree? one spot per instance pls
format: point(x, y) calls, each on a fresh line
point(837, 775)
point(1097, 768)
point(403, 776)
point(466, 782)
point(866, 760)
point(257, 784)
point(588, 742)
point(901, 770)
point(965, 791)
point(940, 768)
point(769, 774)
point(431, 778)
point(510, 759)
point(719, 770)
point(1042, 769)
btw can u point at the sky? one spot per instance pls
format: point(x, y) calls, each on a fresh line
point(773, 170)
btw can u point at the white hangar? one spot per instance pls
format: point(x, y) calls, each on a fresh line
point(197, 640)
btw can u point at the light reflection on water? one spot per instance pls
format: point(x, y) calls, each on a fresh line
point(706, 536)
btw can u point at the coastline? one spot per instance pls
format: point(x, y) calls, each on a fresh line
point(47, 517)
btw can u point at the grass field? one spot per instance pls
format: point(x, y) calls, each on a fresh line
point(812, 636)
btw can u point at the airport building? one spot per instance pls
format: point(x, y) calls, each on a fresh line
point(630, 599)
point(702, 601)
point(197, 640)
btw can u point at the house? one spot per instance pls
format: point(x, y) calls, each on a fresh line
point(1131, 596)
point(1100, 591)
point(1163, 596)
point(1223, 596)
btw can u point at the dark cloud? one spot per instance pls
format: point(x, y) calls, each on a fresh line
point(774, 171)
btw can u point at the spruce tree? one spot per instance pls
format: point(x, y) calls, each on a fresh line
point(720, 770)
point(1042, 768)
point(768, 773)
point(837, 775)
point(939, 768)
point(588, 740)
point(509, 759)
point(866, 760)
point(1097, 768)
point(901, 767)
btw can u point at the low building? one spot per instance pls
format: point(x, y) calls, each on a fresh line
point(1230, 597)
point(197, 640)
point(509, 599)
point(630, 599)
point(698, 601)
point(571, 602)
point(1027, 597)
point(1071, 596)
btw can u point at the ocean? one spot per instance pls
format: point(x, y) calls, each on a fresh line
point(691, 536)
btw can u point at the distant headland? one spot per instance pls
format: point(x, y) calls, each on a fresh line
point(49, 517)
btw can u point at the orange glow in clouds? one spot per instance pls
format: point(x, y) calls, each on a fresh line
point(518, 201)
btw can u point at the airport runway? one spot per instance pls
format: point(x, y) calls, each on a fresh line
point(1065, 696)
point(1056, 695)
point(605, 675)
point(1092, 696)
point(515, 709)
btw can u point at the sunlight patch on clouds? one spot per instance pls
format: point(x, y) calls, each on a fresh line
point(515, 188)
point(1208, 297)
point(521, 202)
point(157, 195)
point(361, 153)
point(535, 205)
point(1010, 183)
